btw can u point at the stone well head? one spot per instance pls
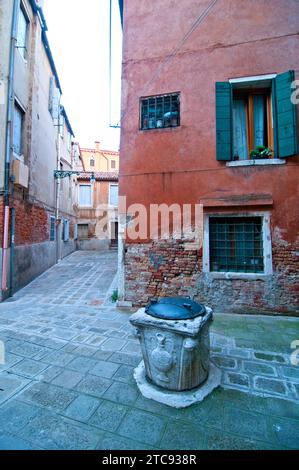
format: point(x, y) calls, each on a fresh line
point(175, 342)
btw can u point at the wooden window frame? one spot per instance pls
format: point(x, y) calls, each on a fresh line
point(248, 94)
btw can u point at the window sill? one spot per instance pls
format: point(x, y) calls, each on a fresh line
point(266, 161)
point(152, 129)
point(238, 276)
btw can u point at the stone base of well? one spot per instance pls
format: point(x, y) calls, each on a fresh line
point(176, 399)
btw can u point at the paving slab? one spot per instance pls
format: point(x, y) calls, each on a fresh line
point(67, 381)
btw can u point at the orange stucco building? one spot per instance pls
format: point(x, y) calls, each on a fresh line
point(204, 85)
point(97, 198)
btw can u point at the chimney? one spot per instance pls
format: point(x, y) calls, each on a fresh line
point(98, 146)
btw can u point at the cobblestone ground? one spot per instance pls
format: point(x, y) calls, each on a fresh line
point(67, 383)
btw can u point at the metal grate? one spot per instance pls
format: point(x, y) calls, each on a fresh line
point(158, 112)
point(236, 244)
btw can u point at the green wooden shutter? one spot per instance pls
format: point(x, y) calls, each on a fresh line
point(286, 116)
point(223, 121)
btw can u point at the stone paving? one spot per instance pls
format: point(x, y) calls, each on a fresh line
point(67, 380)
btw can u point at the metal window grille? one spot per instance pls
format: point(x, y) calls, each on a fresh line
point(236, 244)
point(158, 112)
point(52, 229)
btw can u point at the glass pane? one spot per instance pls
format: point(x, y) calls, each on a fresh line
point(17, 131)
point(240, 130)
point(259, 120)
point(22, 33)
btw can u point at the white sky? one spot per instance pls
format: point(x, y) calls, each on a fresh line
point(79, 39)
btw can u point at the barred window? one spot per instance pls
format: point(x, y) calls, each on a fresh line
point(236, 244)
point(158, 112)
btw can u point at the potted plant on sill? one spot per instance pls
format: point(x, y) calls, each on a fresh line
point(261, 152)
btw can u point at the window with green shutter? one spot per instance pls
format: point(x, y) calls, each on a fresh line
point(256, 118)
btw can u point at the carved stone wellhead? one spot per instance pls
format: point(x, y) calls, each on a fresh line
point(176, 352)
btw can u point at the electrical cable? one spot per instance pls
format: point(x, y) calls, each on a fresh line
point(172, 55)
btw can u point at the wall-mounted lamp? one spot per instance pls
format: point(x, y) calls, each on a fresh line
point(60, 174)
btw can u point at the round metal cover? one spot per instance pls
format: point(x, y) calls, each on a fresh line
point(175, 308)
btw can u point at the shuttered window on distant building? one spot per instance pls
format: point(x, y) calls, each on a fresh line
point(85, 195)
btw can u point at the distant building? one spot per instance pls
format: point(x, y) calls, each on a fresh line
point(100, 160)
point(97, 198)
point(203, 86)
point(37, 224)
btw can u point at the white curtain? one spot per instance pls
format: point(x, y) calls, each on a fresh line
point(259, 119)
point(239, 129)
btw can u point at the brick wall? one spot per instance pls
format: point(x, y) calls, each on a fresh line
point(165, 268)
point(32, 223)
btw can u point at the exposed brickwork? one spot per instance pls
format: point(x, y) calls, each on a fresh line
point(165, 268)
point(32, 223)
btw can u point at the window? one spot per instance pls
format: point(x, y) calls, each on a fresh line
point(82, 231)
point(52, 229)
point(18, 125)
point(113, 195)
point(61, 126)
point(66, 230)
point(54, 104)
point(92, 162)
point(22, 34)
point(160, 111)
point(75, 232)
point(85, 195)
point(113, 164)
point(61, 179)
point(256, 112)
point(252, 121)
point(236, 244)
point(69, 141)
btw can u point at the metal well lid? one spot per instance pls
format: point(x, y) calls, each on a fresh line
point(175, 308)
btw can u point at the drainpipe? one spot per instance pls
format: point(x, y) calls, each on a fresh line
point(8, 143)
point(58, 182)
point(12, 251)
